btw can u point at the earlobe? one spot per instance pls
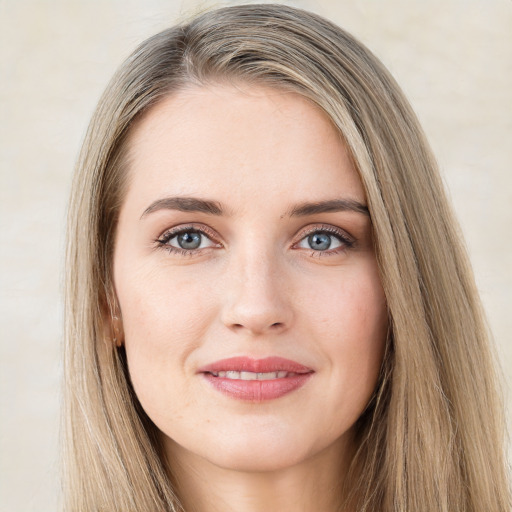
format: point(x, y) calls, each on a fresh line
point(113, 331)
point(117, 331)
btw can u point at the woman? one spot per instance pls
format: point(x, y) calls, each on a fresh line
point(269, 305)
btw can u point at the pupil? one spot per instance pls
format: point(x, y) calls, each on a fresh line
point(319, 241)
point(189, 240)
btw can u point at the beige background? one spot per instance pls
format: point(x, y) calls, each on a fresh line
point(452, 57)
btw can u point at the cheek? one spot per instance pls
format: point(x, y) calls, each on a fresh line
point(350, 305)
point(350, 318)
point(161, 308)
point(162, 328)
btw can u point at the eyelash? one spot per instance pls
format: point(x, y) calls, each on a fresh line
point(163, 241)
point(346, 241)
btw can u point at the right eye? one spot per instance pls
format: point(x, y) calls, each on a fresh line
point(186, 240)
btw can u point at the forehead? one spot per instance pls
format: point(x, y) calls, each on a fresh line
point(253, 140)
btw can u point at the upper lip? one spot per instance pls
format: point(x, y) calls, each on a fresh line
point(248, 364)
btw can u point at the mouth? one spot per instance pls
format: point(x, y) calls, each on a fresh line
point(234, 375)
point(256, 380)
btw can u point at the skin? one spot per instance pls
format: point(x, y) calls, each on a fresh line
point(253, 288)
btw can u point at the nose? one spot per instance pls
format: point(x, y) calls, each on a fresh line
point(256, 301)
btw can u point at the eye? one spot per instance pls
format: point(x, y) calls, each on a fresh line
point(186, 240)
point(325, 239)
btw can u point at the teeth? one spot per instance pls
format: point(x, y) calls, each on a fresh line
point(267, 376)
point(252, 375)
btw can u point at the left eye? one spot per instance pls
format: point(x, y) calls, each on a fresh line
point(320, 241)
point(189, 240)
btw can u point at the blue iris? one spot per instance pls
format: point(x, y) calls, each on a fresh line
point(319, 241)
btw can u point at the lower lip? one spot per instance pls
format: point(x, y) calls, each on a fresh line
point(257, 390)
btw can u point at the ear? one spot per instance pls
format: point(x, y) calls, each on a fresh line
point(117, 330)
point(113, 331)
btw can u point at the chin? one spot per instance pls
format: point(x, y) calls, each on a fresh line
point(257, 449)
point(266, 448)
point(256, 442)
point(256, 458)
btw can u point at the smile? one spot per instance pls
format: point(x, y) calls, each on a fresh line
point(234, 375)
point(256, 380)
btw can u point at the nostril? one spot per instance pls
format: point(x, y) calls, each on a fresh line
point(274, 327)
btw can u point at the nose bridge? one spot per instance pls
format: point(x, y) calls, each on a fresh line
point(256, 300)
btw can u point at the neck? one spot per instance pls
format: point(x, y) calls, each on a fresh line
point(314, 484)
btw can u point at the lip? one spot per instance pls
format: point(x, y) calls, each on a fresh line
point(248, 364)
point(256, 390)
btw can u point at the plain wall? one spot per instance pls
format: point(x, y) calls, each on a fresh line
point(453, 58)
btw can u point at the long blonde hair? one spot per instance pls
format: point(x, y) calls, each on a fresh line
point(432, 437)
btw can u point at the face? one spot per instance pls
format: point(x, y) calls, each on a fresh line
point(253, 314)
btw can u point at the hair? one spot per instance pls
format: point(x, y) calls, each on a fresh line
point(432, 437)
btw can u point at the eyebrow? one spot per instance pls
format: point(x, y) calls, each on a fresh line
point(184, 204)
point(192, 204)
point(332, 205)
